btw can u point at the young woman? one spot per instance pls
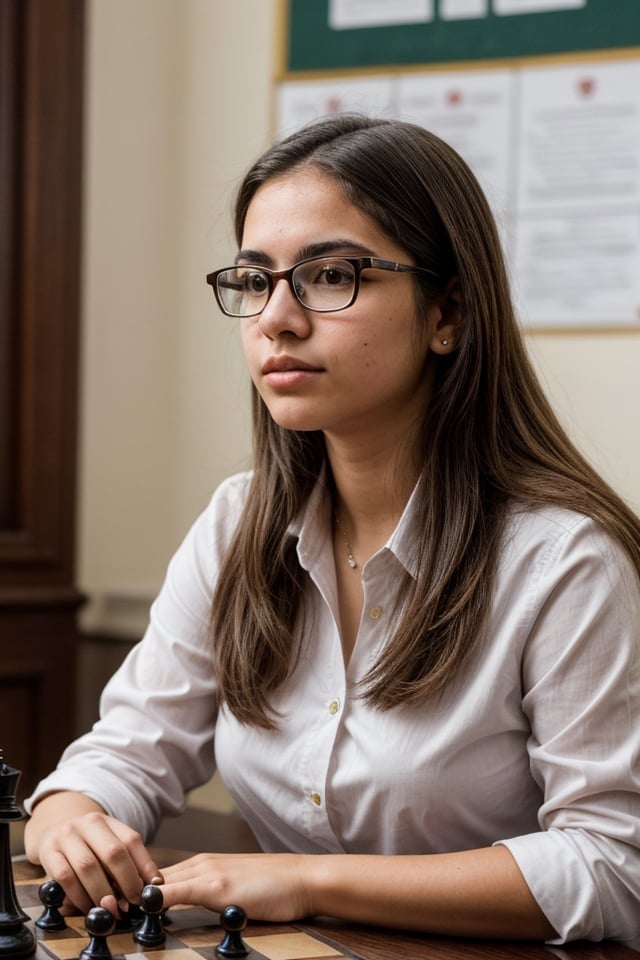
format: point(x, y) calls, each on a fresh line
point(414, 628)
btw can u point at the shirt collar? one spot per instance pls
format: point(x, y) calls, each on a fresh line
point(313, 528)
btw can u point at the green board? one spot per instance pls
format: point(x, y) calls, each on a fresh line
point(310, 44)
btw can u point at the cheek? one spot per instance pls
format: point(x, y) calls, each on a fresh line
point(249, 343)
point(392, 344)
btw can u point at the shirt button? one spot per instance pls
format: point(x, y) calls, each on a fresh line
point(316, 798)
point(375, 613)
point(334, 706)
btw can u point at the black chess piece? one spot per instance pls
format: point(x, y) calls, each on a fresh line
point(99, 924)
point(51, 897)
point(16, 940)
point(151, 933)
point(130, 918)
point(233, 921)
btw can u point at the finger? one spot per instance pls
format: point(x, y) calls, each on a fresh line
point(202, 863)
point(90, 860)
point(119, 849)
point(146, 867)
point(195, 892)
point(111, 904)
point(79, 874)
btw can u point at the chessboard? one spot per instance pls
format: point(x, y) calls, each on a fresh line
point(191, 933)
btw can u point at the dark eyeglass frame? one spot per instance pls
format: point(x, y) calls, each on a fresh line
point(272, 276)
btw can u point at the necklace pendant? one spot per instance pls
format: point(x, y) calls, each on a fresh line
point(351, 561)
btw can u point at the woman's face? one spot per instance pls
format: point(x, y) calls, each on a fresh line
point(348, 373)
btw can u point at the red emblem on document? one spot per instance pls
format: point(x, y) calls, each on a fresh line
point(587, 87)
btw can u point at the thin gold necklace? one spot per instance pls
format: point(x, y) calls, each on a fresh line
point(351, 560)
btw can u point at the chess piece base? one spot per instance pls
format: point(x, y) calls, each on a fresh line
point(16, 941)
point(229, 949)
point(149, 938)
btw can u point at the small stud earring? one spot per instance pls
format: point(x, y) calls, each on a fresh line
point(444, 342)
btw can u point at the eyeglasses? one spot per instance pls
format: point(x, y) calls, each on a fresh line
point(322, 284)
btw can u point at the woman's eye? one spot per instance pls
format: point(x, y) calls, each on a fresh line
point(255, 283)
point(334, 276)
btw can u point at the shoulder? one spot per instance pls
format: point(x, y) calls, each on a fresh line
point(230, 497)
point(221, 516)
point(209, 536)
point(543, 535)
point(558, 560)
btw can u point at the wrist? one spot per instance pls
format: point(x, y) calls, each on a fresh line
point(321, 893)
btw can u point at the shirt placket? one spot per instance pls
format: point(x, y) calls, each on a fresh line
point(328, 696)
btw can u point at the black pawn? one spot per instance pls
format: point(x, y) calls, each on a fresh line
point(51, 897)
point(151, 933)
point(99, 924)
point(233, 920)
point(131, 918)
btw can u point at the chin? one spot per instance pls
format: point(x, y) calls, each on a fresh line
point(298, 424)
point(291, 417)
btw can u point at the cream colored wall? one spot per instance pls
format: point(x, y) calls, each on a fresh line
point(178, 103)
point(594, 383)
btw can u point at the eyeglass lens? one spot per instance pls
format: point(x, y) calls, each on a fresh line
point(323, 284)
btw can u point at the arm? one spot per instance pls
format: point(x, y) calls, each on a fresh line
point(89, 853)
point(477, 893)
point(152, 744)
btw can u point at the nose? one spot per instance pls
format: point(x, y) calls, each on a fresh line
point(284, 314)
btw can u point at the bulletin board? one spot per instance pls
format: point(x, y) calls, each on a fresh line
point(544, 106)
point(310, 44)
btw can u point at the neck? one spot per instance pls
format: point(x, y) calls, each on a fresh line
point(371, 490)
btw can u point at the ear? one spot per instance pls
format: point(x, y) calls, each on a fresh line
point(447, 319)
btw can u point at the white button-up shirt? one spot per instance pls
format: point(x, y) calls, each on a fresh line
point(534, 745)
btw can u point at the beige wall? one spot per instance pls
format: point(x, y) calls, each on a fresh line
point(178, 103)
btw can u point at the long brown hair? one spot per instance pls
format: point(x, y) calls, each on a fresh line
point(489, 436)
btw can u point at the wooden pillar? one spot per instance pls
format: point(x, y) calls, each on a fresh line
point(41, 99)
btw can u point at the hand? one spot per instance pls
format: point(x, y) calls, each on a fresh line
point(267, 886)
point(94, 856)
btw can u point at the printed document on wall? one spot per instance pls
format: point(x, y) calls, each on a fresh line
point(576, 217)
point(300, 103)
point(470, 110)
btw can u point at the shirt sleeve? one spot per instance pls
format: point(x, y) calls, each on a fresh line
point(581, 694)
point(154, 739)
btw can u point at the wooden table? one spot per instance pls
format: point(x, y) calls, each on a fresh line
point(372, 943)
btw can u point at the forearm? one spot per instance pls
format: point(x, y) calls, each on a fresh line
point(473, 893)
point(53, 811)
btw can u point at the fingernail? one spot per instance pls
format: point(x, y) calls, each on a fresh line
point(157, 881)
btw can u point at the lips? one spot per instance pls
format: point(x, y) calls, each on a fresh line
point(286, 365)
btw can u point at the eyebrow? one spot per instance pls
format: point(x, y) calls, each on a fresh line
point(325, 248)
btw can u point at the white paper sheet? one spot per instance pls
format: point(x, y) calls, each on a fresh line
point(299, 103)
point(349, 14)
point(576, 211)
point(506, 7)
point(471, 110)
point(463, 9)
